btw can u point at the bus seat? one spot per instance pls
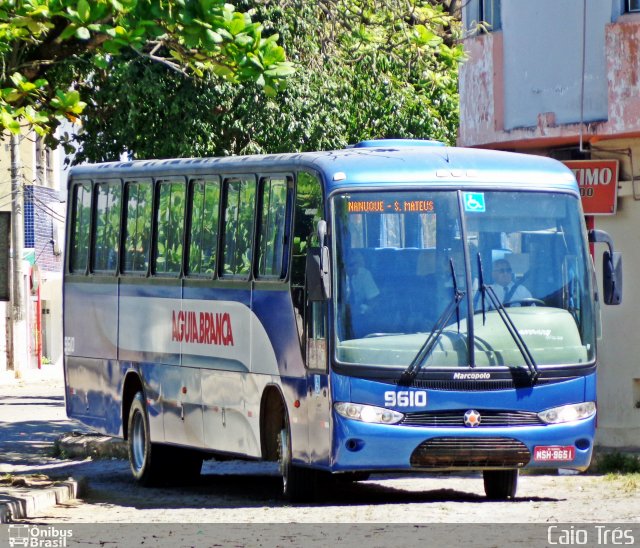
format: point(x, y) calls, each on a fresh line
point(420, 303)
point(426, 263)
point(542, 282)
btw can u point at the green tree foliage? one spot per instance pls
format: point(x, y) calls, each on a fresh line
point(192, 37)
point(365, 69)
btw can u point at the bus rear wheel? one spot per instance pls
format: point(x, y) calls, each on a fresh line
point(153, 464)
point(500, 484)
point(147, 460)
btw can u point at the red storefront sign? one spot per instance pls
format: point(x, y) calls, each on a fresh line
point(598, 182)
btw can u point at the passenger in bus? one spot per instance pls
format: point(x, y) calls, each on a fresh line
point(506, 289)
point(362, 290)
point(362, 293)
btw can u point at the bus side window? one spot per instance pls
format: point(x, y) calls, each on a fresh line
point(106, 235)
point(170, 233)
point(81, 228)
point(308, 211)
point(238, 223)
point(137, 225)
point(203, 226)
point(273, 227)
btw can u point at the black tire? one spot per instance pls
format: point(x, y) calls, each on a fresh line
point(500, 484)
point(298, 484)
point(147, 460)
point(153, 464)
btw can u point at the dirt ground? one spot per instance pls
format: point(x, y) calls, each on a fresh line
point(246, 493)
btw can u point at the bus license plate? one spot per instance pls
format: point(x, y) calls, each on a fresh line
point(549, 453)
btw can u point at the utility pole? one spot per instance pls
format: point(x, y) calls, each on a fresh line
point(17, 245)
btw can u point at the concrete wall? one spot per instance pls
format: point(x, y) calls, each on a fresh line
point(619, 374)
point(521, 86)
point(543, 61)
point(51, 295)
point(43, 216)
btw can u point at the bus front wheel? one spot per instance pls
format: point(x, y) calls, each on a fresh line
point(298, 484)
point(500, 484)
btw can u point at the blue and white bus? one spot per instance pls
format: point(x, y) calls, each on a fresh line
point(342, 313)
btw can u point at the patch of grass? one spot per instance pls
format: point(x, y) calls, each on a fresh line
point(57, 451)
point(631, 483)
point(26, 480)
point(617, 463)
point(627, 483)
point(6, 479)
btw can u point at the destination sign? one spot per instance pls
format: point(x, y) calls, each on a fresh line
point(390, 206)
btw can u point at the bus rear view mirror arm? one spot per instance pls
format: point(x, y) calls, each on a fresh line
point(611, 268)
point(318, 281)
point(325, 271)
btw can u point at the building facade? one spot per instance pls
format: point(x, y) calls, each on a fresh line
point(562, 79)
point(39, 336)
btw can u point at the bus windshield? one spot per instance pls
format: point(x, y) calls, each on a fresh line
point(406, 261)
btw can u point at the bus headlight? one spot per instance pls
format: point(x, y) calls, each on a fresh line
point(569, 413)
point(367, 413)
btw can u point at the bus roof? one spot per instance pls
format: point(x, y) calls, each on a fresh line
point(405, 163)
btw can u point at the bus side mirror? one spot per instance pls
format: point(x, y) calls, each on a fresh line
point(611, 268)
point(612, 277)
point(318, 267)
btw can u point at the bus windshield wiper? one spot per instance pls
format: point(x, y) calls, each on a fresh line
point(409, 374)
point(508, 322)
point(482, 291)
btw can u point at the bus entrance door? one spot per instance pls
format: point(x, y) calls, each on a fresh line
point(318, 400)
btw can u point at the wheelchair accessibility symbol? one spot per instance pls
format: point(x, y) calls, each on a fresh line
point(474, 201)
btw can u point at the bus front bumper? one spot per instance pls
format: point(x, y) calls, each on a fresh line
point(377, 447)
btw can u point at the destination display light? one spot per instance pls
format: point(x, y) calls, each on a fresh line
point(390, 206)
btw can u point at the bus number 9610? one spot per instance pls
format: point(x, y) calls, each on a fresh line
point(405, 398)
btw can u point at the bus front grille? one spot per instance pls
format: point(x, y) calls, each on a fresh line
point(454, 419)
point(470, 453)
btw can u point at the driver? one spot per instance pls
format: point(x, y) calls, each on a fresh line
point(505, 288)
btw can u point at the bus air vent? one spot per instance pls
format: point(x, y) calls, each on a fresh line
point(460, 453)
point(481, 385)
point(466, 386)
